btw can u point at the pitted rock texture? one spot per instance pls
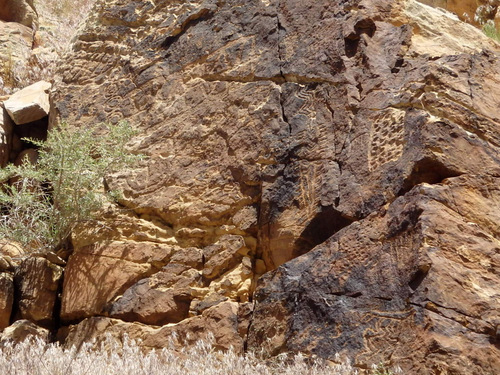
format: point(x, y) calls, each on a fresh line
point(415, 283)
point(350, 149)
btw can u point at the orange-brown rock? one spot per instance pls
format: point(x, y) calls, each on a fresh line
point(221, 321)
point(19, 11)
point(336, 145)
point(37, 284)
point(467, 10)
point(415, 283)
point(163, 298)
point(29, 155)
point(6, 299)
point(95, 275)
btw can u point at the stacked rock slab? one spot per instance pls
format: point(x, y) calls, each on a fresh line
point(29, 104)
point(347, 149)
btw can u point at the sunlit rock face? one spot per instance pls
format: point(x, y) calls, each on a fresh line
point(346, 150)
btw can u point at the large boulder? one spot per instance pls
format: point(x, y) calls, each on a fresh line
point(29, 104)
point(96, 275)
point(415, 283)
point(38, 283)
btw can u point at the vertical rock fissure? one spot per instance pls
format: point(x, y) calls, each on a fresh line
point(259, 253)
point(281, 29)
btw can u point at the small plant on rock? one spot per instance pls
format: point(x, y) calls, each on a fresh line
point(490, 30)
point(45, 201)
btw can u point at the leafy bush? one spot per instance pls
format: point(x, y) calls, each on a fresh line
point(45, 201)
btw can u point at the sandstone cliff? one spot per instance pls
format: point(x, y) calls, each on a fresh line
point(322, 176)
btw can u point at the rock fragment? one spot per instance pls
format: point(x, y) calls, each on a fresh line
point(29, 104)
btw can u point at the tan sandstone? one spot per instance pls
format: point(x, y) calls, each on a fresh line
point(29, 104)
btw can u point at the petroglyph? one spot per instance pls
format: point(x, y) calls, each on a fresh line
point(387, 137)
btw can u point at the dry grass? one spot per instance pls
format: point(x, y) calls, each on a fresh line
point(34, 357)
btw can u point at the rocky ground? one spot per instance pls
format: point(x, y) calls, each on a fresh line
point(321, 176)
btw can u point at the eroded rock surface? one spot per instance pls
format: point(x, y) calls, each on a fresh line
point(350, 149)
point(415, 283)
point(22, 330)
point(19, 11)
point(221, 321)
point(6, 299)
point(37, 283)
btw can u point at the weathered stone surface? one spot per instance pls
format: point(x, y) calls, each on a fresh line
point(15, 47)
point(37, 283)
point(19, 11)
point(11, 253)
point(6, 299)
point(163, 298)
point(29, 104)
point(5, 137)
point(95, 275)
point(319, 136)
point(221, 321)
point(22, 330)
point(415, 283)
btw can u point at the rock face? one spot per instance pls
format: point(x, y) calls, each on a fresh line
point(348, 150)
point(15, 46)
point(476, 12)
point(415, 282)
point(222, 321)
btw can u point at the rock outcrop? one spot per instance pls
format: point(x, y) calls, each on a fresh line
point(321, 176)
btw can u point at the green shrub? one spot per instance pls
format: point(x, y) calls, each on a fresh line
point(65, 186)
point(491, 31)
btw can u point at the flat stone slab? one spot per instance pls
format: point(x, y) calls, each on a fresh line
point(29, 104)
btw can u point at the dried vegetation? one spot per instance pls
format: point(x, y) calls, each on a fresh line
point(34, 357)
